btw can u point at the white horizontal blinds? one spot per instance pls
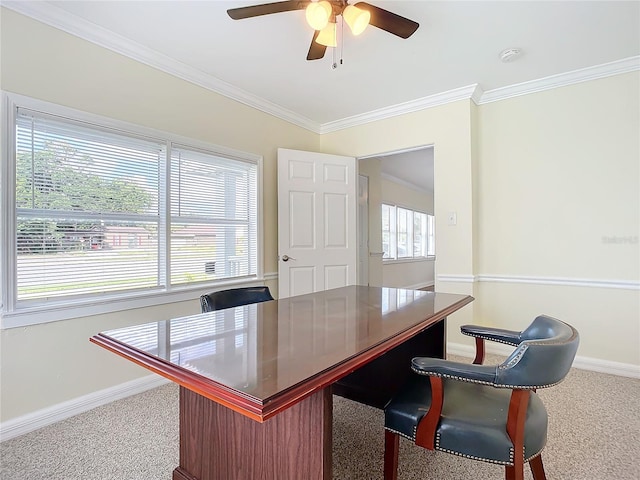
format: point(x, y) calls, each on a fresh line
point(388, 231)
point(213, 217)
point(419, 234)
point(431, 236)
point(405, 232)
point(86, 209)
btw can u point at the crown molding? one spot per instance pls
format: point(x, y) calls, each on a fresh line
point(463, 93)
point(58, 18)
point(625, 65)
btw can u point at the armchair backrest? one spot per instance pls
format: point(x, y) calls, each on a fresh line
point(234, 297)
point(544, 356)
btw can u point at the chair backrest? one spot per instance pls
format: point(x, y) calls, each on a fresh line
point(544, 356)
point(234, 297)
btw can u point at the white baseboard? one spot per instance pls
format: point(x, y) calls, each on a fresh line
point(55, 413)
point(582, 363)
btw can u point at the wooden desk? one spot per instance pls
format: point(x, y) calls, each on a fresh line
point(256, 382)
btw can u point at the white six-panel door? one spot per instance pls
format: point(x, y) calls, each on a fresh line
point(317, 196)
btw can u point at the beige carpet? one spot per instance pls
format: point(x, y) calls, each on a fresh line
point(594, 434)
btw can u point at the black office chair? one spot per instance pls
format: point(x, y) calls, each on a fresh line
point(482, 412)
point(234, 297)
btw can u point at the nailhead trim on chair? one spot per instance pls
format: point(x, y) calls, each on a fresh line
point(491, 339)
point(534, 342)
point(403, 434)
point(514, 361)
point(491, 384)
point(453, 377)
point(472, 457)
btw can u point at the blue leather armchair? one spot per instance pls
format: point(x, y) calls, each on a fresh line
point(482, 412)
point(234, 297)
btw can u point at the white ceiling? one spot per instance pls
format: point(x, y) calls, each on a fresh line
point(454, 54)
point(261, 60)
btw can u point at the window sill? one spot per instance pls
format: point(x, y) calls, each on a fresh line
point(40, 314)
point(408, 260)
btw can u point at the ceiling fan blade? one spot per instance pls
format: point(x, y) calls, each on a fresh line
point(388, 21)
point(265, 9)
point(316, 51)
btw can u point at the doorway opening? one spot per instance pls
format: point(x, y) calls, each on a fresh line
point(402, 181)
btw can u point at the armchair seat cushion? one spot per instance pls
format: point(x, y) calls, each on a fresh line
point(473, 421)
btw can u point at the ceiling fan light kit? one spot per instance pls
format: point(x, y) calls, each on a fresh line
point(318, 14)
point(356, 18)
point(328, 36)
point(321, 16)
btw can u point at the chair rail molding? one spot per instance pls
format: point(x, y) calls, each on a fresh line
point(570, 282)
point(562, 281)
point(457, 278)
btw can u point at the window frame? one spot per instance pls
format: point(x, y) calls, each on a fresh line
point(12, 315)
point(394, 242)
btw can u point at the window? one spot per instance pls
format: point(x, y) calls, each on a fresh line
point(407, 233)
point(103, 213)
point(213, 217)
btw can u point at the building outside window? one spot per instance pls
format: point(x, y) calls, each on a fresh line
point(96, 212)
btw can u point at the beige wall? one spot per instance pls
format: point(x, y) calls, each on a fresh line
point(566, 158)
point(541, 184)
point(403, 196)
point(558, 176)
point(44, 365)
point(447, 128)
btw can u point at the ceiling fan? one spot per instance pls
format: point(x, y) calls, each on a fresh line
point(321, 16)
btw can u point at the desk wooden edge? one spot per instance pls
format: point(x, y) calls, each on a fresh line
point(250, 406)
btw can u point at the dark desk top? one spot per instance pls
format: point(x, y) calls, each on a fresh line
point(259, 359)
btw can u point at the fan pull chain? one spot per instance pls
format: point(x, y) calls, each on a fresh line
point(341, 39)
point(334, 64)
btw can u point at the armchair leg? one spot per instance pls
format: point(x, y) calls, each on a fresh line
point(537, 468)
point(391, 447)
point(514, 473)
point(479, 351)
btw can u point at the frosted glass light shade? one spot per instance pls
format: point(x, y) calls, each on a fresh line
point(356, 18)
point(318, 14)
point(327, 36)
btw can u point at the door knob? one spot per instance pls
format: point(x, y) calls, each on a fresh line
point(286, 258)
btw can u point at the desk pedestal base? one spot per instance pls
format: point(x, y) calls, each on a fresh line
point(217, 443)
